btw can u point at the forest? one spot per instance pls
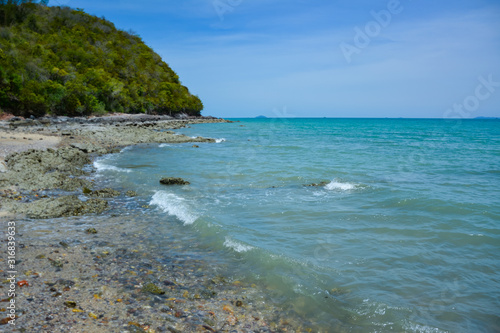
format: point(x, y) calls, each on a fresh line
point(63, 61)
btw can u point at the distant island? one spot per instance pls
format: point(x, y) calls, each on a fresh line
point(261, 117)
point(62, 61)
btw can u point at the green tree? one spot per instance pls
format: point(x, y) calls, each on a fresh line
point(61, 61)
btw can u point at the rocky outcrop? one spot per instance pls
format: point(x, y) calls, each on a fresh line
point(102, 193)
point(173, 181)
point(68, 205)
point(50, 169)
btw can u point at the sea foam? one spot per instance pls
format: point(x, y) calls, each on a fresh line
point(238, 247)
point(335, 185)
point(174, 205)
point(100, 166)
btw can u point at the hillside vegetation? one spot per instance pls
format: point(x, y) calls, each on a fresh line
point(62, 61)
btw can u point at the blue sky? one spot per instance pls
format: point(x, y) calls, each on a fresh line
point(318, 58)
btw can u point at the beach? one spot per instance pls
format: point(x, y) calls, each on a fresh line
point(81, 265)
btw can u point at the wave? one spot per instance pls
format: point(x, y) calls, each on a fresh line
point(335, 185)
point(174, 205)
point(126, 149)
point(100, 166)
point(220, 140)
point(163, 145)
point(238, 247)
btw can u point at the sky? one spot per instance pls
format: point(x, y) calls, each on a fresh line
point(324, 58)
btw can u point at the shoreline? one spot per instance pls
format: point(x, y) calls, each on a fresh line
point(81, 281)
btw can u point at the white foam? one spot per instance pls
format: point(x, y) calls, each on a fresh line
point(163, 145)
point(413, 327)
point(174, 205)
point(335, 185)
point(100, 166)
point(220, 140)
point(238, 247)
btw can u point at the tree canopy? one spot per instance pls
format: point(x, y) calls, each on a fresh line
point(62, 61)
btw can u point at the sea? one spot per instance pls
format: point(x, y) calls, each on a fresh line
point(358, 225)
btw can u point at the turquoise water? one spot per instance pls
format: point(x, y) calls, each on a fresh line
point(404, 235)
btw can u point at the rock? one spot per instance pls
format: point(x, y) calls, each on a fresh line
point(173, 181)
point(91, 231)
point(208, 328)
point(317, 184)
point(66, 283)
point(132, 328)
point(56, 263)
point(70, 304)
point(94, 206)
point(104, 193)
point(153, 289)
point(131, 193)
point(181, 116)
point(34, 169)
point(207, 294)
point(62, 206)
point(81, 146)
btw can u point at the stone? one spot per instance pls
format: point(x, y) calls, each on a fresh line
point(173, 181)
point(153, 289)
point(63, 206)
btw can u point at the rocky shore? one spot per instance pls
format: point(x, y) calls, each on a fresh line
point(78, 270)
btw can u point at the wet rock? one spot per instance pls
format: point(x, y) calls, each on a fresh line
point(70, 304)
point(317, 184)
point(66, 283)
point(104, 193)
point(208, 328)
point(62, 206)
point(131, 193)
point(94, 206)
point(153, 289)
point(91, 231)
point(207, 294)
point(168, 283)
point(173, 181)
point(56, 263)
point(135, 329)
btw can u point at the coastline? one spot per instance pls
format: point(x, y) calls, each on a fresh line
point(84, 275)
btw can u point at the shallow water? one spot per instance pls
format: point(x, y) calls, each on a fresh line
point(404, 235)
